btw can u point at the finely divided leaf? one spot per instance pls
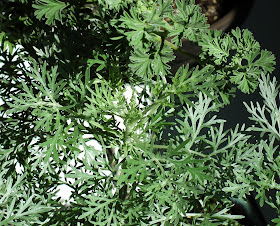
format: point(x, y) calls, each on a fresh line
point(50, 9)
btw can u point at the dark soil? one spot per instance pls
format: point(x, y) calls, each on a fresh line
point(213, 9)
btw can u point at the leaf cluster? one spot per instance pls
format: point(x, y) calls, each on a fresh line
point(88, 102)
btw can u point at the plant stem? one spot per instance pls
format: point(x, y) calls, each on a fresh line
point(231, 68)
point(180, 50)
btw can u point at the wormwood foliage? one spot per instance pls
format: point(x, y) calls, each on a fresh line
point(88, 102)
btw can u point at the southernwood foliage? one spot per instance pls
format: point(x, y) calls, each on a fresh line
point(158, 156)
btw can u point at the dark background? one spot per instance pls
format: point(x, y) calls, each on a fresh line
point(263, 20)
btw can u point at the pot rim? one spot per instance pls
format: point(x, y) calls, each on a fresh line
point(226, 21)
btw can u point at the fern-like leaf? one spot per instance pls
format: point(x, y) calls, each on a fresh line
point(50, 9)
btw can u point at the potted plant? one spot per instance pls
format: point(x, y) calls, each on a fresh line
point(87, 99)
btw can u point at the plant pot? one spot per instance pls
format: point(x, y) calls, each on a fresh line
point(235, 14)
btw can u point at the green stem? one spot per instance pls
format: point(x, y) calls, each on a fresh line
point(180, 50)
point(233, 68)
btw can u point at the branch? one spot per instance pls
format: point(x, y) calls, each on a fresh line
point(180, 50)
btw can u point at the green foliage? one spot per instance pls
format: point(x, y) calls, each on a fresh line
point(50, 9)
point(89, 100)
point(189, 23)
point(18, 205)
point(240, 56)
